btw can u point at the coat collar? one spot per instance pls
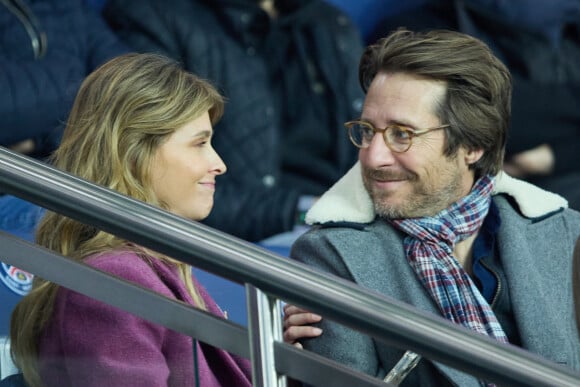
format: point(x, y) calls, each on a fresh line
point(349, 201)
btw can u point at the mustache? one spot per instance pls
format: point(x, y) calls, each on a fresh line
point(387, 174)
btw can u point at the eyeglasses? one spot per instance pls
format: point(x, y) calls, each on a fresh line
point(398, 138)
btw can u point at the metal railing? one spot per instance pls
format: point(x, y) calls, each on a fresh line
point(268, 278)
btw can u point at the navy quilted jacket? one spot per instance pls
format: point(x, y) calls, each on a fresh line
point(290, 84)
point(47, 47)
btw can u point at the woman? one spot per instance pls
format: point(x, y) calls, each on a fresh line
point(142, 126)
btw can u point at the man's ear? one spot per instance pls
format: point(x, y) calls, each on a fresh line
point(472, 156)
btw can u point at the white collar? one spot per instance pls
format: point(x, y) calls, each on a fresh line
point(348, 200)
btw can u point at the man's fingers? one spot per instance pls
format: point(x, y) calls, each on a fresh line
point(292, 334)
point(298, 324)
point(304, 318)
point(290, 309)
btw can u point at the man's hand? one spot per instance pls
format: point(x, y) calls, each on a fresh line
point(297, 325)
point(536, 161)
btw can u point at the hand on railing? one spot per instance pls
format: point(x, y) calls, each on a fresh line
point(298, 324)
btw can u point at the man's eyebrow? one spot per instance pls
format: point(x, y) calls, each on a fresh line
point(393, 122)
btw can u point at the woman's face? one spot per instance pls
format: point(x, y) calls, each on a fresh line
point(184, 170)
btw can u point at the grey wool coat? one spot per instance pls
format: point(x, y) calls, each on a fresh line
point(535, 244)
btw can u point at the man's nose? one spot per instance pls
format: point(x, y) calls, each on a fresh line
point(377, 154)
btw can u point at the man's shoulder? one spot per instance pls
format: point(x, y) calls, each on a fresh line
point(328, 231)
point(552, 233)
point(510, 210)
point(350, 236)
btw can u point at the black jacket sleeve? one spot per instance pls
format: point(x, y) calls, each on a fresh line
point(243, 205)
point(254, 199)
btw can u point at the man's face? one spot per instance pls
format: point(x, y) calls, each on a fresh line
point(421, 181)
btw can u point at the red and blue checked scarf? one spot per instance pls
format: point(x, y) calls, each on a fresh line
point(429, 249)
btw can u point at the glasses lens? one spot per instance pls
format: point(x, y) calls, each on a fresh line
point(399, 138)
point(360, 133)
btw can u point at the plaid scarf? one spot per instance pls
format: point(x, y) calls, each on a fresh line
point(429, 249)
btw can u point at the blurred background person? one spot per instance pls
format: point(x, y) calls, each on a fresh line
point(47, 47)
point(366, 14)
point(287, 71)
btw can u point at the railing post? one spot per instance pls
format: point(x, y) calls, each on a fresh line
point(264, 327)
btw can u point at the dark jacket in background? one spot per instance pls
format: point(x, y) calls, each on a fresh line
point(39, 84)
point(289, 84)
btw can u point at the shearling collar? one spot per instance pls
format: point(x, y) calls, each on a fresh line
point(348, 201)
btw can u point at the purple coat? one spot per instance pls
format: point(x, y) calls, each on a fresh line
point(88, 343)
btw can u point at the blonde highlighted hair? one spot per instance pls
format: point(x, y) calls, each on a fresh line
point(122, 113)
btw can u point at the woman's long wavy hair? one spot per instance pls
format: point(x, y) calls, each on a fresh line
point(123, 112)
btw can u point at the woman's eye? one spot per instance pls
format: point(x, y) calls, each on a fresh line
point(201, 143)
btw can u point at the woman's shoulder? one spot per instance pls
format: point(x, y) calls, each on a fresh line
point(141, 269)
point(118, 260)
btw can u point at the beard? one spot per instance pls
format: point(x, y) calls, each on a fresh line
point(428, 194)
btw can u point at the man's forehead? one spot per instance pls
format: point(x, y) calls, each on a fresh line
point(403, 98)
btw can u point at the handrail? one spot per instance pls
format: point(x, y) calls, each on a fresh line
point(160, 309)
point(388, 320)
point(106, 288)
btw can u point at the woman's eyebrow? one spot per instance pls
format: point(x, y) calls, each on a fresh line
point(203, 133)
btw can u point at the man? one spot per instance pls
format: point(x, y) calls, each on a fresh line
point(425, 216)
point(539, 43)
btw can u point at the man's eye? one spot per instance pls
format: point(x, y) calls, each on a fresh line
point(400, 134)
point(367, 131)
